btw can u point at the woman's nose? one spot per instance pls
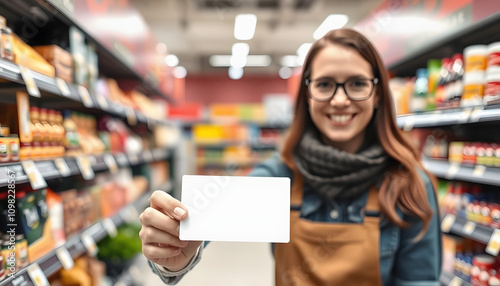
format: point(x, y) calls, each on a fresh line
point(340, 98)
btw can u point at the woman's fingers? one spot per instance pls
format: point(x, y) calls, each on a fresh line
point(152, 251)
point(153, 236)
point(164, 202)
point(155, 218)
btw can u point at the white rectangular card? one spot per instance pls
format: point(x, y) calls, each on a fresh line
point(232, 208)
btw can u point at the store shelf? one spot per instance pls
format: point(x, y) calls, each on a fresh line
point(449, 117)
point(465, 228)
point(222, 163)
point(111, 62)
point(452, 171)
point(252, 144)
point(449, 279)
point(50, 263)
point(11, 72)
point(49, 169)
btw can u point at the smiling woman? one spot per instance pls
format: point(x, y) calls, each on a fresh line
point(363, 210)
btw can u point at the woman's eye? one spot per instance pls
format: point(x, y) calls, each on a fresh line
point(324, 84)
point(359, 83)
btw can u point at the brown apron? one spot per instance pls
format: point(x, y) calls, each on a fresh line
point(322, 253)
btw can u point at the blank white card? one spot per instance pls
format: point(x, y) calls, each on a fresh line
point(232, 208)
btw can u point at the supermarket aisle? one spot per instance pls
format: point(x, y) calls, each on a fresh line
point(228, 264)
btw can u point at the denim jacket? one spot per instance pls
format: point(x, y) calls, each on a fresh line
point(402, 261)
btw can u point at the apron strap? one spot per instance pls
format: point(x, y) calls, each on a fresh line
point(372, 204)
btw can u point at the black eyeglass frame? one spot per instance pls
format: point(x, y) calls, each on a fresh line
point(342, 84)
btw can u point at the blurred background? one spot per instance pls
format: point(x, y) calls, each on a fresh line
point(103, 102)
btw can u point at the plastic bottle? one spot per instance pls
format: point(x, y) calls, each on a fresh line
point(71, 140)
point(455, 90)
point(419, 100)
point(443, 81)
point(433, 69)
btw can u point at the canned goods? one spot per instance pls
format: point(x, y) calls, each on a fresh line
point(494, 54)
point(482, 264)
point(475, 58)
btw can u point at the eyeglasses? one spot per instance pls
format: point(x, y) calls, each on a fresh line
point(355, 89)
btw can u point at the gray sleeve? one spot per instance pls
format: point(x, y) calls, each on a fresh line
point(172, 278)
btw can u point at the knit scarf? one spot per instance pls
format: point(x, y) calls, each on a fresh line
point(336, 174)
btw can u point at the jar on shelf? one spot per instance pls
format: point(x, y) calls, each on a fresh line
point(475, 58)
point(6, 46)
point(473, 93)
point(492, 86)
point(493, 54)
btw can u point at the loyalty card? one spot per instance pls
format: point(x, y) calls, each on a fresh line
point(227, 208)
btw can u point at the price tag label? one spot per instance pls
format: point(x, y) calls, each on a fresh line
point(121, 159)
point(479, 171)
point(452, 170)
point(447, 222)
point(62, 166)
point(455, 282)
point(409, 123)
point(469, 227)
point(85, 96)
point(133, 158)
point(493, 246)
point(63, 87)
point(476, 114)
point(464, 117)
point(130, 214)
point(111, 163)
point(103, 103)
point(89, 244)
point(110, 227)
point(65, 258)
point(35, 177)
point(148, 156)
point(85, 167)
point(131, 116)
point(29, 81)
point(37, 276)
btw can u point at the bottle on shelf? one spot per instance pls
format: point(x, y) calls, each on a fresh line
point(443, 81)
point(454, 93)
point(71, 140)
point(433, 68)
point(38, 131)
point(419, 100)
point(48, 133)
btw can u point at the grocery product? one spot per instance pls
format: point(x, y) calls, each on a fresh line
point(474, 82)
point(419, 100)
point(492, 86)
point(433, 68)
point(60, 59)
point(6, 49)
point(475, 58)
point(25, 135)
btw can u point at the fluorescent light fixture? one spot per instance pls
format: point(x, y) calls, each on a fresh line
point(244, 26)
point(180, 72)
point(285, 72)
point(240, 49)
point(332, 22)
point(238, 62)
point(258, 61)
point(251, 60)
point(235, 73)
point(172, 60)
point(220, 60)
point(302, 52)
point(290, 61)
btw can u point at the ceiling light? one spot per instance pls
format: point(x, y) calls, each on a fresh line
point(235, 73)
point(290, 61)
point(332, 22)
point(172, 60)
point(285, 72)
point(161, 48)
point(302, 52)
point(258, 61)
point(220, 60)
point(180, 72)
point(238, 62)
point(244, 26)
point(240, 49)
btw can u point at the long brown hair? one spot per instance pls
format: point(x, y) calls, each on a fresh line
point(402, 185)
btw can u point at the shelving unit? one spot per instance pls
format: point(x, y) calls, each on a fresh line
point(449, 117)
point(55, 97)
point(49, 168)
point(111, 62)
point(50, 263)
point(452, 171)
point(449, 279)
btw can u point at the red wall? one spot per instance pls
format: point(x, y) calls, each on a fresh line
point(221, 89)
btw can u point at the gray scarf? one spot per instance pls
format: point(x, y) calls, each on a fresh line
point(336, 174)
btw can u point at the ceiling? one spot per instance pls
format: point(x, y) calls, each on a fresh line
point(193, 30)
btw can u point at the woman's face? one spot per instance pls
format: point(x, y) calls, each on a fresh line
point(341, 121)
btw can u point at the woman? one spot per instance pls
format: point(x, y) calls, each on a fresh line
point(363, 210)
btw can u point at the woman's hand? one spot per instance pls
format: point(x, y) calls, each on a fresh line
point(160, 233)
